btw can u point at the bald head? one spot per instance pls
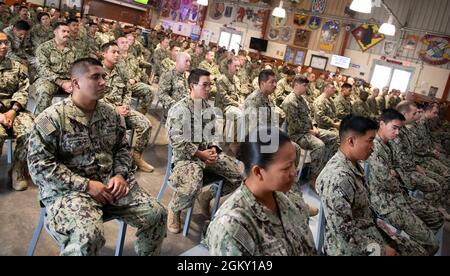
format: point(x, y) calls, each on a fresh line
point(183, 61)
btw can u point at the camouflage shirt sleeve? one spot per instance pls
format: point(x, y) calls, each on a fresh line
point(321, 115)
point(21, 95)
point(44, 166)
point(43, 63)
point(122, 158)
point(165, 88)
point(180, 141)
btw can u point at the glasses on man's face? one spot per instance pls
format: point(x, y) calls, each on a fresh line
point(205, 84)
point(4, 42)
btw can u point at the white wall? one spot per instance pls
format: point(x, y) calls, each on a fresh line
point(424, 77)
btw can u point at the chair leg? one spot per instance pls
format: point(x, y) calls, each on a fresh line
point(120, 238)
point(10, 150)
point(217, 199)
point(37, 233)
point(187, 221)
point(167, 175)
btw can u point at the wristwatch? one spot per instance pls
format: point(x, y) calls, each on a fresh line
point(16, 108)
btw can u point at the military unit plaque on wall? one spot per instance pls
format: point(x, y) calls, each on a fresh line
point(302, 38)
point(367, 36)
point(436, 50)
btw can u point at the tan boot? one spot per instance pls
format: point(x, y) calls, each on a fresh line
point(19, 181)
point(142, 165)
point(313, 211)
point(204, 200)
point(142, 110)
point(174, 221)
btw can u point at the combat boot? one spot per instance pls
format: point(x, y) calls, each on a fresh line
point(19, 179)
point(142, 165)
point(142, 110)
point(174, 221)
point(204, 200)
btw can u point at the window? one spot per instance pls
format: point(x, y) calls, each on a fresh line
point(230, 39)
point(392, 75)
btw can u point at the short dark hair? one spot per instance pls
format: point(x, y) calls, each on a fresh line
point(356, 124)
point(194, 76)
point(72, 20)
point(23, 7)
point(429, 106)
point(250, 152)
point(92, 24)
point(42, 14)
point(264, 75)
point(81, 65)
point(301, 80)
point(290, 72)
point(390, 115)
point(107, 45)
point(405, 106)
point(347, 85)
point(59, 24)
point(22, 25)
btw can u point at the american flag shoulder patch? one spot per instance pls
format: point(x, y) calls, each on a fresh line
point(44, 125)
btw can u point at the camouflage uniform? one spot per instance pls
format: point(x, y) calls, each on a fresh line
point(187, 175)
point(5, 17)
point(423, 150)
point(245, 227)
point(343, 106)
point(158, 56)
point(360, 108)
point(40, 34)
point(66, 151)
point(79, 46)
point(373, 107)
point(52, 64)
point(299, 123)
point(195, 60)
point(350, 228)
point(390, 200)
point(93, 46)
point(391, 102)
point(381, 103)
point(244, 78)
point(14, 89)
point(325, 112)
point(129, 65)
point(173, 87)
point(103, 38)
point(405, 165)
point(259, 103)
point(167, 64)
point(283, 89)
point(228, 100)
point(21, 49)
point(118, 94)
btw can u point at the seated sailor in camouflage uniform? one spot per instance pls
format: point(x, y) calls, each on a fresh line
point(119, 96)
point(191, 129)
point(391, 200)
point(350, 228)
point(13, 116)
point(129, 66)
point(79, 158)
point(259, 219)
point(303, 129)
point(54, 58)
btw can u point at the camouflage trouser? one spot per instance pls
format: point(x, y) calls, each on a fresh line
point(422, 239)
point(21, 129)
point(142, 128)
point(430, 215)
point(430, 188)
point(322, 148)
point(75, 221)
point(45, 90)
point(187, 178)
point(144, 93)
